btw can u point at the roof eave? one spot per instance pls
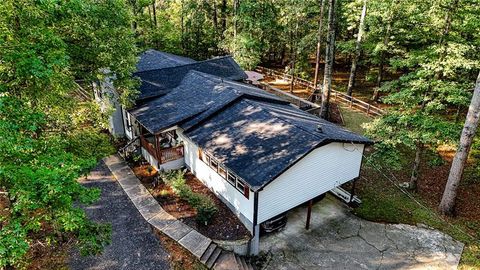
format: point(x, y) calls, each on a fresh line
point(323, 143)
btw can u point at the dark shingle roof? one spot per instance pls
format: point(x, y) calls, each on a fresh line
point(152, 59)
point(255, 134)
point(197, 96)
point(258, 140)
point(167, 78)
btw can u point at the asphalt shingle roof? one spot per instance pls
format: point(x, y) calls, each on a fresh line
point(255, 134)
point(153, 59)
point(157, 82)
point(258, 140)
point(194, 99)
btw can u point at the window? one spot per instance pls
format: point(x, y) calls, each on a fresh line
point(213, 164)
point(128, 120)
point(240, 185)
point(244, 189)
point(207, 159)
point(231, 178)
point(222, 171)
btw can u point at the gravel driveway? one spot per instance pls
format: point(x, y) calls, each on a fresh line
point(339, 240)
point(133, 244)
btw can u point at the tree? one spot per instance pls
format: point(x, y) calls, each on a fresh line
point(469, 129)
point(358, 48)
point(48, 138)
point(329, 59)
point(249, 37)
point(386, 39)
point(435, 71)
point(319, 48)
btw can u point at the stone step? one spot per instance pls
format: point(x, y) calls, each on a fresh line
point(243, 263)
point(227, 261)
point(239, 262)
point(213, 258)
point(206, 255)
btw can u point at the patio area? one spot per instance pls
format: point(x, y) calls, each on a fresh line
point(339, 240)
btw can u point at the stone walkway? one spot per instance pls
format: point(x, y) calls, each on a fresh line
point(199, 245)
point(340, 240)
point(133, 245)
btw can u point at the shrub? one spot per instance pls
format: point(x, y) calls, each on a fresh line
point(206, 210)
point(204, 205)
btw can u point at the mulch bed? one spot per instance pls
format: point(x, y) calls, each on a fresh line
point(224, 226)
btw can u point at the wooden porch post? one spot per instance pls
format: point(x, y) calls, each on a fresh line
point(157, 151)
point(309, 214)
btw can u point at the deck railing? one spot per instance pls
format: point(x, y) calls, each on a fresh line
point(169, 154)
point(162, 155)
point(340, 97)
point(148, 147)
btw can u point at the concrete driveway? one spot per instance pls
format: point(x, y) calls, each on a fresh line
point(339, 240)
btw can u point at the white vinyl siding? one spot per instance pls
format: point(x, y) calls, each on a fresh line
point(215, 182)
point(320, 171)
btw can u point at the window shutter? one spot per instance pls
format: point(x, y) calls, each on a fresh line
point(246, 191)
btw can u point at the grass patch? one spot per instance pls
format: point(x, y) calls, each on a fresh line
point(382, 202)
point(354, 120)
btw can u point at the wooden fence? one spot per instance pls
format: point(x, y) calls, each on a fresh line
point(339, 97)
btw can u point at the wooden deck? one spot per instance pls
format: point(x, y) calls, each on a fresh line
point(162, 155)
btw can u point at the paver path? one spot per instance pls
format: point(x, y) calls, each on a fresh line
point(133, 244)
point(339, 240)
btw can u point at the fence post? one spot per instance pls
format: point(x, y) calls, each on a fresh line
point(368, 109)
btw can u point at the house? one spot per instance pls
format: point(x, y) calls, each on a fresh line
point(258, 153)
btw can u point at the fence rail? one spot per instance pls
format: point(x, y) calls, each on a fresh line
point(352, 102)
point(169, 154)
point(148, 147)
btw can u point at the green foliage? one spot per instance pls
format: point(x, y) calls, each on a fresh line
point(81, 143)
point(48, 138)
point(255, 34)
point(204, 205)
point(39, 172)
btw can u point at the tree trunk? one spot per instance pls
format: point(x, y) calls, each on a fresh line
point(469, 129)
point(329, 58)
point(182, 39)
point(236, 4)
point(361, 28)
point(223, 10)
point(150, 16)
point(319, 47)
point(416, 167)
point(154, 7)
point(294, 56)
point(215, 16)
point(386, 39)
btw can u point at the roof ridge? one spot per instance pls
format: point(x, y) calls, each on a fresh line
point(189, 64)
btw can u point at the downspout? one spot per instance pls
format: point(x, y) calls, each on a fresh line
point(255, 241)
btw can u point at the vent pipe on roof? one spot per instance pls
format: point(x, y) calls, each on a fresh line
point(319, 128)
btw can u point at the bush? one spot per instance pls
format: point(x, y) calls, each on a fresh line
point(204, 205)
point(205, 211)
